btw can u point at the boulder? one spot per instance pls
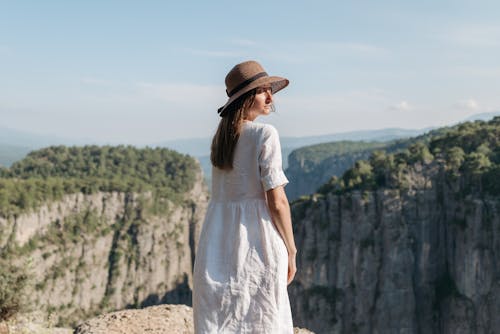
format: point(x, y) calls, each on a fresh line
point(161, 319)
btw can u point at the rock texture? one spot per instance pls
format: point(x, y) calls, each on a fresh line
point(124, 255)
point(154, 320)
point(34, 322)
point(162, 319)
point(421, 260)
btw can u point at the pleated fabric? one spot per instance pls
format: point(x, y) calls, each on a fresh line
point(241, 263)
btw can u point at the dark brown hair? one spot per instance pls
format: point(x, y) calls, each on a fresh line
point(228, 131)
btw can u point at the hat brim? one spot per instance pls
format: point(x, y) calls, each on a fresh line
point(277, 84)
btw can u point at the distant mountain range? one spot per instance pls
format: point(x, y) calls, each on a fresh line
point(12, 153)
point(199, 147)
point(15, 137)
point(14, 144)
point(483, 116)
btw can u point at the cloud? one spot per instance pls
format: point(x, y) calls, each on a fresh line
point(137, 93)
point(125, 111)
point(295, 52)
point(185, 93)
point(362, 48)
point(348, 47)
point(244, 42)
point(95, 81)
point(469, 104)
point(214, 53)
point(345, 111)
point(474, 35)
point(342, 100)
point(401, 106)
point(299, 52)
point(484, 72)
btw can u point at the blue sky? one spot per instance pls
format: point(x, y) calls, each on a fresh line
point(145, 71)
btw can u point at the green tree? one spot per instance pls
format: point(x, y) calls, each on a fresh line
point(13, 283)
point(476, 163)
point(419, 152)
point(455, 156)
point(359, 177)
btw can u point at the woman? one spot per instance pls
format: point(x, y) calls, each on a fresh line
point(246, 253)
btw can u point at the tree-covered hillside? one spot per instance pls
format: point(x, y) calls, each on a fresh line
point(49, 173)
point(134, 185)
point(469, 153)
point(311, 156)
point(408, 239)
point(311, 166)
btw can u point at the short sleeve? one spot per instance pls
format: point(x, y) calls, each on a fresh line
point(270, 164)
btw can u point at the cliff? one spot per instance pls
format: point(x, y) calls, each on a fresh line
point(93, 252)
point(128, 259)
point(415, 249)
point(401, 243)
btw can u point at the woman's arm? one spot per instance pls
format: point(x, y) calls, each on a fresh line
point(282, 219)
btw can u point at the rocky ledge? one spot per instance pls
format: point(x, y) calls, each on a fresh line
point(161, 319)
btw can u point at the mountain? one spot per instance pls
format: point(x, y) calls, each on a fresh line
point(201, 146)
point(311, 166)
point(483, 116)
point(362, 135)
point(15, 144)
point(193, 146)
point(405, 242)
point(102, 228)
point(15, 137)
point(11, 153)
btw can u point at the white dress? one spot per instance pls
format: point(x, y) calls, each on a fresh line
point(241, 265)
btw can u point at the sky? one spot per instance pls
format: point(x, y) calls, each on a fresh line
point(139, 72)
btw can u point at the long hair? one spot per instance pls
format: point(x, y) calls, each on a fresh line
point(228, 131)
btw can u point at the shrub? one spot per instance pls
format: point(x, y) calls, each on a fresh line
point(13, 283)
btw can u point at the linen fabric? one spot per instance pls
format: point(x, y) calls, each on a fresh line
point(241, 265)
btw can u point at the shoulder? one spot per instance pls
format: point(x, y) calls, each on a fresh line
point(268, 136)
point(265, 130)
point(263, 134)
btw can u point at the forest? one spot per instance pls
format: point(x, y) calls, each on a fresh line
point(50, 173)
point(469, 152)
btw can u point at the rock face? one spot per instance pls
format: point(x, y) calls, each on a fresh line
point(162, 319)
point(422, 260)
point(108, 251)
point(155, 320)
point(34, 322)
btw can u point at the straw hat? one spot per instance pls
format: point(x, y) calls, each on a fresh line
point(247, 76)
